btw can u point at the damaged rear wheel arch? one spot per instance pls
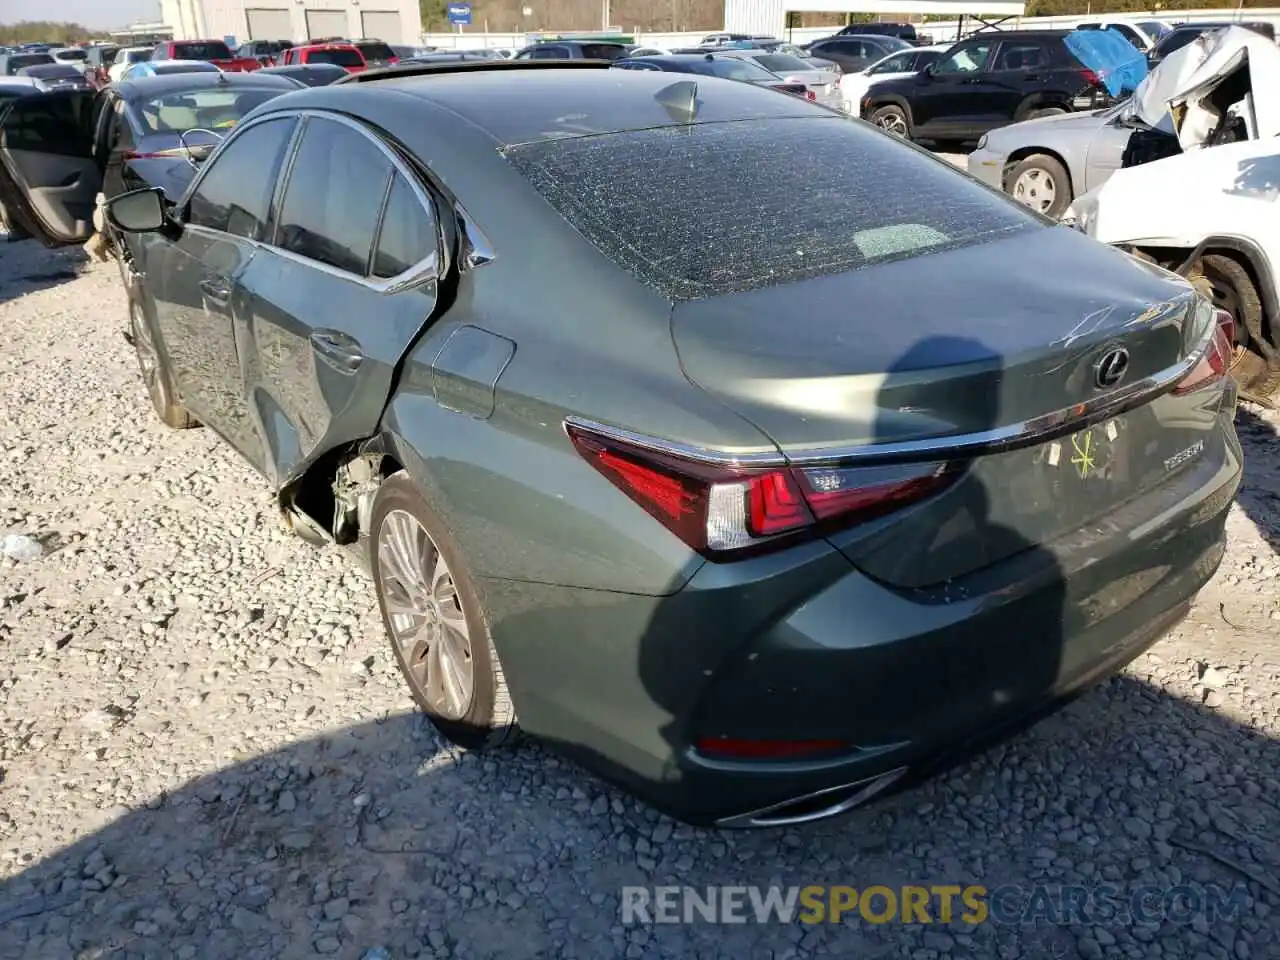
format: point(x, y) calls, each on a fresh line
point(311, 503)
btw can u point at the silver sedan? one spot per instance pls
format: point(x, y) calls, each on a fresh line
point(823, 84)
point(1046, 163)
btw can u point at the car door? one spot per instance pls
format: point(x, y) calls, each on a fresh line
point(49, 177)
point(336, 299)
point(1018, 69)
point(941, 102)
point(224, 219)
point(1105, 154)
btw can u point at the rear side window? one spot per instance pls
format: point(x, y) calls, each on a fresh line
point(1019, 56)
point(377, 51)
point(16, 63)
point(210, 50)
point(235, 195)
point(58, 123)
point(551, 53)
point(331, 226)
point(667, 204)
point(408, 234)
point(603, 51)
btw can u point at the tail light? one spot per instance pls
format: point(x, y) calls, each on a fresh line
point(1216, 358)
point(810, 95)
point(719, 510)
point(1091, 77)
point(392, 61)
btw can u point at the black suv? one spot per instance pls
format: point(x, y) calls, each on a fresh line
point(854, 53)
point(987, 81)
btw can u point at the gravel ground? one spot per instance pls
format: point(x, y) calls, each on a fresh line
point(206, 752)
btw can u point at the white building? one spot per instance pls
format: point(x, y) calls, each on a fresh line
point(770, 16)
point(395, 21)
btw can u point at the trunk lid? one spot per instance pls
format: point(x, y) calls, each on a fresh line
point(974, 341)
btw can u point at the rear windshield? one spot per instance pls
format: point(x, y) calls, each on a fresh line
point(138, 56)
point(782, 63)
point(207, 109)
point(18, 61)
point(205, 50)
point(77, 55)
point(731, 68)
point(722, 208)
point(340, 58)
point(603, 51)
point(376, 51)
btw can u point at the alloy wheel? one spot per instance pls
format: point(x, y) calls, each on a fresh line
point(425, 615)
point(1036, 189)
point(893, 123)
point(148, 356)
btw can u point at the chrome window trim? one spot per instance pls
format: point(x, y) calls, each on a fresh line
point(1015, 436)
point(431, 267)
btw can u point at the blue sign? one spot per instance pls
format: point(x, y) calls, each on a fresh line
point(460, 13)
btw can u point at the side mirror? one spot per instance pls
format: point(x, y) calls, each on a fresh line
point(930, 71)
point(139, 211)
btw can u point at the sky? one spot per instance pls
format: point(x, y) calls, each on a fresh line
point(92, 13)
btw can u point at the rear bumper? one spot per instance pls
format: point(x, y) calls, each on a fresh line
point(802, 646)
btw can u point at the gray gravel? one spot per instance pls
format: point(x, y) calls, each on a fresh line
point(205, 751)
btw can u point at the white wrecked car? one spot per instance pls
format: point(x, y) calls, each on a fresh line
point(1208, 207)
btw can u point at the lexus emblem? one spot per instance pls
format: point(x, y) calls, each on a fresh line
point(1111, 368)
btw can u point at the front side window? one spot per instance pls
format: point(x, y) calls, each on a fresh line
point(603, 51)
point(408, 234)
point(234, 195)
point(967, 59)
point(551, 53)
point(334, 227)
point(208, 108)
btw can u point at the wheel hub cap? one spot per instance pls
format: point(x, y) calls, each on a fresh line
point(1035, 189)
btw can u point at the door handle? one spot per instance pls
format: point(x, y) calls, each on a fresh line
point(339, 350)
point(216, 290)
point(1031, 77)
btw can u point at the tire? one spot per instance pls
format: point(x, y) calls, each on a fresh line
point(1227, 283)
point(407, 543)
point(892, 120)
point(154, 375)
point(1046, 112)
point(1040, 183)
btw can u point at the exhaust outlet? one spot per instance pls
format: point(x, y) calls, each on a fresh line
point(819, 805)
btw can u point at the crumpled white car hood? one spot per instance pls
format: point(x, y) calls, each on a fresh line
point(1174, 95)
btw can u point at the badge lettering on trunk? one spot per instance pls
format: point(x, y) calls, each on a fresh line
point(1182, 456)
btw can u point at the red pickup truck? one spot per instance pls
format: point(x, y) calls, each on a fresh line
point(211, 51)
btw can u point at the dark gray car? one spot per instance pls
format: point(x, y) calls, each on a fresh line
point(757, 522)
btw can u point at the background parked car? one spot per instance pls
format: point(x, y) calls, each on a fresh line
point(990, 80)
point(573, 50)
point(308, 74)
point(376, 53)
point(99, 64)
point(823, 84)
point(74, 56)
point(210, 51)
point(896, 66)
point(266, 52)
point(855, 53)
point(57, 76)
point(11, 63)
point(722, 65)
point(903, 31)
point(344, 55)
point(1143, 34)
point(164, 68)
point(125, 58)
point(1184, 33)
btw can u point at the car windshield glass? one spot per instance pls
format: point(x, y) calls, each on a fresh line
point(781, 63)
point(211, 109)
point(78, 55)
point(890, 44)
point(205, 50)
point(731, 68)
point(1154, 28)
point(137, 56)
point(376, 51)
point(1176, 40)
point(666, 204)
point(340, 58)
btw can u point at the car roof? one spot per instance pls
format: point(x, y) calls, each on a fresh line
point(50, 70)
point(158, 86)
point(514, 106)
